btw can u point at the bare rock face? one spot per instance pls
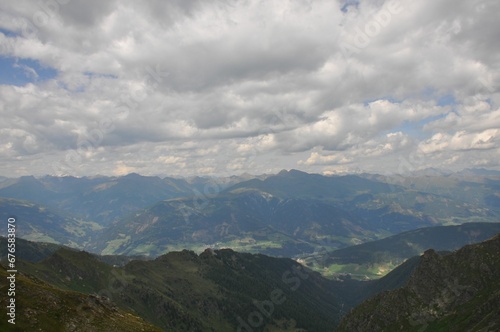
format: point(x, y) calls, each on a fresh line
point(456, 292)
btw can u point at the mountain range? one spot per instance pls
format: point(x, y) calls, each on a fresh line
point(288, 214)
point(286, 252)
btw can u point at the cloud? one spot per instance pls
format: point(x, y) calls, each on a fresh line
point(485, 140)
point(351, 125)
point(188, 87)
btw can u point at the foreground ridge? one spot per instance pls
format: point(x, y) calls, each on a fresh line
point(454, 292)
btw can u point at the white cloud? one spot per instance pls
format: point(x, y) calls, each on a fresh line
point(462, 140)
point(251, 86)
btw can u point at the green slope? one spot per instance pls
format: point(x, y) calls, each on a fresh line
point(454, 292)
point(217, 290)
point(42, 307)
point(376, 258)
point(214, 291)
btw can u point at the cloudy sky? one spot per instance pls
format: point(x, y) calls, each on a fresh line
point(188, 87)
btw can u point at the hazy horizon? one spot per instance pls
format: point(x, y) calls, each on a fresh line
point(420, 172)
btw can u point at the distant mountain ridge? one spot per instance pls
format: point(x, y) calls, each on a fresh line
point(298, 184)
point(38, 223)
point(393, 250)
point(104, 199)
point(286, 214)
point(98, 199)
point(252, 218)
point(291, 213)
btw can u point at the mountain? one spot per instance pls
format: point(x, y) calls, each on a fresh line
point(218, 290)
point(394, 205)
point(459, 291)
point(476, 188)
point(358, 291)
point(38, 223)
point(299, 184)
point(479, 172)
point(98, 199)
point(375, 258)
point(288, 214)
point(223, 290)
point(41, 307)
point(248, 220)
point(35, 252)
point(28, 250)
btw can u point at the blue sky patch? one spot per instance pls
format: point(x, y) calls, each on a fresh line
point(441, 99)
point(446, 100)
point(92, 75)
point(414, 129)
point(8, 33)
point(348, 3)
point(17, 71)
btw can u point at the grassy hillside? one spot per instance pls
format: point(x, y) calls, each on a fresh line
point(221, 290)
point(214, 291)
point(42, 307)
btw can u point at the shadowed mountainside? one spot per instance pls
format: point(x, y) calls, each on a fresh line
point(459, 291)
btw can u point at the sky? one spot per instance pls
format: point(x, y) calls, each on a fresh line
point(206, 87)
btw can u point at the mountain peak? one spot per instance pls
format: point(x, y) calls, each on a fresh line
point(430, 253)
point(283, 172)
point(292, 172)
point(133, 176)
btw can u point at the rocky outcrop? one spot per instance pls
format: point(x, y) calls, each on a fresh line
point(454, 292)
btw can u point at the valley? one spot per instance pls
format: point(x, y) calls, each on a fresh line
point(289, 214)
point(286, 252)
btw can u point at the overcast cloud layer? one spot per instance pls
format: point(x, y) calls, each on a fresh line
point(225, 87)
